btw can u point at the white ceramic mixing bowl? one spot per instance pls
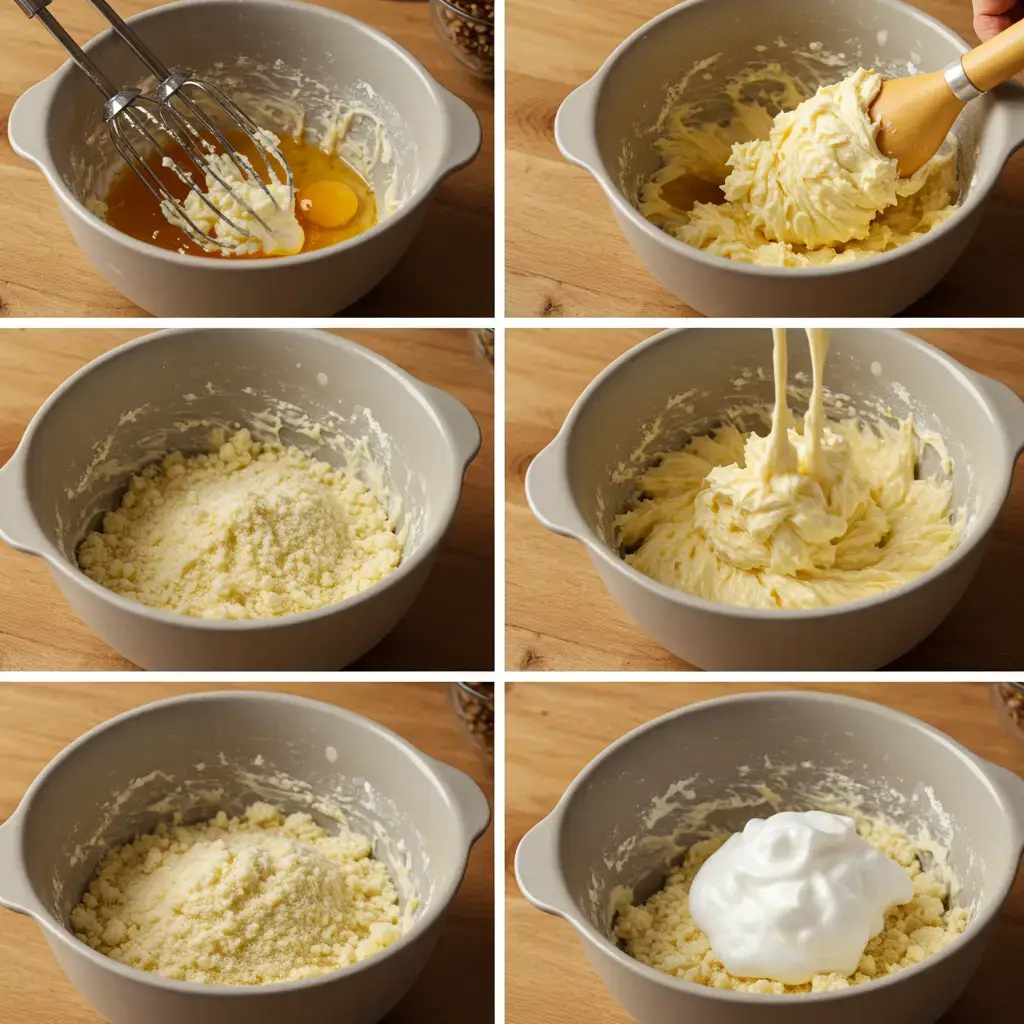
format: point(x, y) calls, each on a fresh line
point(574, 486)
point(175, 385)
point(608, 126)
point(286, 46)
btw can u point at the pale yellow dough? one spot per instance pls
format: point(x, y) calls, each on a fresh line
point(810, 515)
point(661, 933)
point(808, 188)
point(246, 531)
point(240, 901)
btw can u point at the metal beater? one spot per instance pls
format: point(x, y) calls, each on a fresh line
point(135, 118)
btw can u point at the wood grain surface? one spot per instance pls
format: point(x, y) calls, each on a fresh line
point(566, 255)
point(558, 615)
point(552, 732)
point(38, 720)
point(449, 271)
point(451, 625)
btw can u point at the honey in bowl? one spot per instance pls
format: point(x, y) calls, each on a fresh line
point(332, 201)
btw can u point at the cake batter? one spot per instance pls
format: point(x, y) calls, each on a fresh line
point(807, 188)
point(813, 514)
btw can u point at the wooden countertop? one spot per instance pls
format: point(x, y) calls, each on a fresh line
point(552, 732)
point(451, 625)
point(38, 720)
point(449, 271)
point(566, 255)
point(554, 598)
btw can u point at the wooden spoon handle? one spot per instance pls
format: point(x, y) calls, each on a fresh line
point(997, 59)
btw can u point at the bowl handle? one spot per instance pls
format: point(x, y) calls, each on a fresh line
point(15, 888)
point(1008, 405)
point(458, 422)
point(26, 127)
point(1011, 786)
point(464, 134)
point(469, 798)
point(575, 127)
point(548, 494)
point(17, 524)
point(537, 870)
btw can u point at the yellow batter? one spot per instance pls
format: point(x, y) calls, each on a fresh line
point(813, 514)
point(809, 187)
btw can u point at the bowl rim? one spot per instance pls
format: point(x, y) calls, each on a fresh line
point(434, 911)
point(423, 552)
point(975, 926)
point(422, 190)
point(983, 522)
point(977, 195)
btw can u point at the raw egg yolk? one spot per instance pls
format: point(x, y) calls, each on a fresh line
point(328, 204)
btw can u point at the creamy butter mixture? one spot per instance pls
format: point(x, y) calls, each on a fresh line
point(807, 188)
point(240, 901)
point(274, 230)
point(814, 514)
point(662, 933)
point(248, 530)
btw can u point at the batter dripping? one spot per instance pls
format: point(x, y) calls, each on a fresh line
point(814, 514)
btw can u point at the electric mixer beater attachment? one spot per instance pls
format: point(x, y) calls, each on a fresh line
point(176, 110)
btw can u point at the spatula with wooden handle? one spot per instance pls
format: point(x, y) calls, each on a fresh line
point(916, 113)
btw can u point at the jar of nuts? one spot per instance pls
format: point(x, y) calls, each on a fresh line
point(466, 27)
point(482, 339)
point(474, 706)
point(1009, 701)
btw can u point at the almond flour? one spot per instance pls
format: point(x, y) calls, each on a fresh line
point(240, 901)
point(250, 530)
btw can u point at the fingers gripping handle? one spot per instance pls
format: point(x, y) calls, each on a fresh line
point(995, 60)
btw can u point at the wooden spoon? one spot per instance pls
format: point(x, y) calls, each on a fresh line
point(916, 113)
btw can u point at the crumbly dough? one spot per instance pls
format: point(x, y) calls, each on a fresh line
point(240, 901)
point(809, 188)
point(807, 516)
point(661, 933)
point(248, 531)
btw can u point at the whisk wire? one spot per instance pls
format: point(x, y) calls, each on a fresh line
point(241, 162)
point(142, 167)
point(129, 107)
point(136, 115)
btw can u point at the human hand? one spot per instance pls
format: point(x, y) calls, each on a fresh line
point(992, 16)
